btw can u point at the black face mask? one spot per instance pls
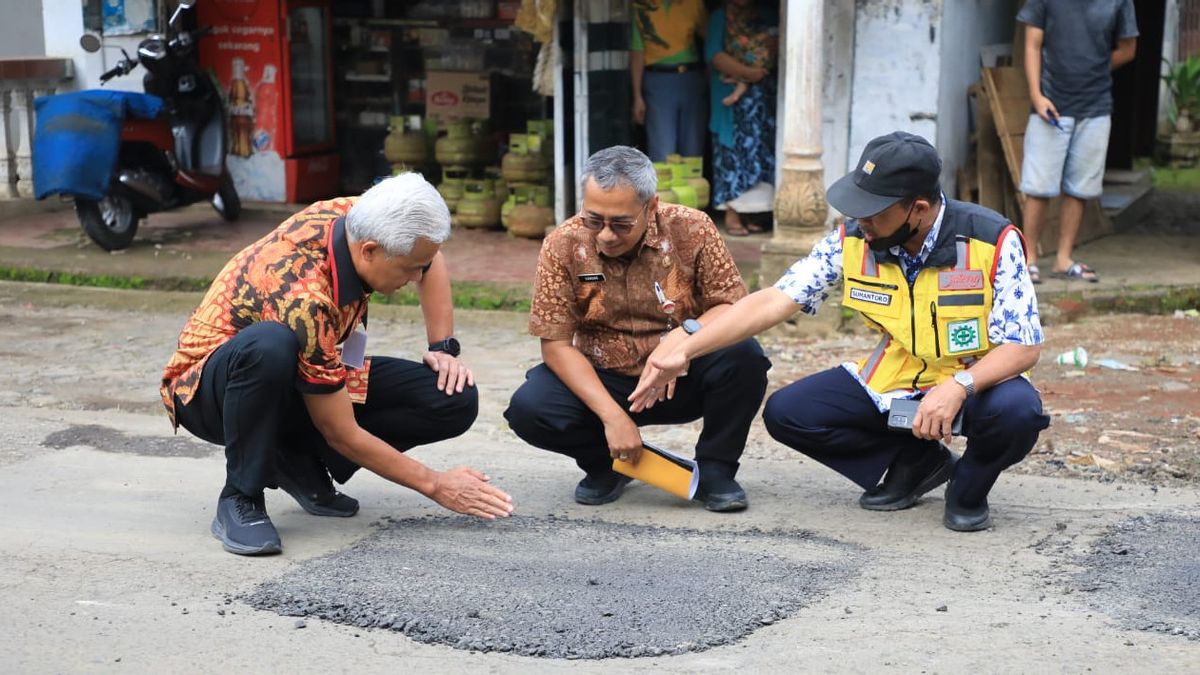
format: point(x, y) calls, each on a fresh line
point(897, 238)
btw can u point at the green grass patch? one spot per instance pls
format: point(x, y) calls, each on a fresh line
point(468, 295)
point(1176, 180)
point(70, 278)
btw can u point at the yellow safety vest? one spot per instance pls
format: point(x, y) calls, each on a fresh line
point(937, 326)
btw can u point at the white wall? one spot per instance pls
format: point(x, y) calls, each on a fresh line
point(21, 28)
point(966, 26)
point(63, 22)
point(896, 50)
point(836, 96)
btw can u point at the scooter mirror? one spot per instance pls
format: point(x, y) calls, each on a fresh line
point(183, 4)
point(90, 43)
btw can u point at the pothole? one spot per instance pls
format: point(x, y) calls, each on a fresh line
point(1145, 572)
point(112, 440)
point(562, 589)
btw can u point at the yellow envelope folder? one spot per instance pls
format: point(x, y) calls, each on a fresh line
point(663, 470)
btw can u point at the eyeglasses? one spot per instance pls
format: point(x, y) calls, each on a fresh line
point(618, 226)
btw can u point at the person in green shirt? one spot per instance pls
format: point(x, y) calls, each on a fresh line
point(667, 68)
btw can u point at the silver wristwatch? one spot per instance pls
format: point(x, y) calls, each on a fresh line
point(967, 380)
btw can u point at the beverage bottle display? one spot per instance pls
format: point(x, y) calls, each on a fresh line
point(266, 108)
point(241, 112)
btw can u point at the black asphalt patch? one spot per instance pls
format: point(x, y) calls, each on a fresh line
point(112, 440)
point(562, 589)
point(1146, 573)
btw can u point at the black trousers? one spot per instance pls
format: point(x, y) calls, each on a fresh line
point(829, 417)
point(725, 388)
point(247, 401)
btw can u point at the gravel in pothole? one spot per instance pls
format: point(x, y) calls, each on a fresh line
point(560, 588)
point(1146, 573)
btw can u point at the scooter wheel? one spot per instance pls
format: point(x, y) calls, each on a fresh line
point(227, 202)
point(111, 222)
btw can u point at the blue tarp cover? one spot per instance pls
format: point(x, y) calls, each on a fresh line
point(77, 138)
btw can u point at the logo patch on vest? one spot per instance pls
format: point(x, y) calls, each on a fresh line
point(960, 280)
point(870, 296)
point(964, 336)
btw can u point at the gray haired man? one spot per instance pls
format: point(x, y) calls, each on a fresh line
point(627, 278)
point(273, 365)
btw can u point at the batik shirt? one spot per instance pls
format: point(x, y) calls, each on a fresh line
point(300, 275)
point(609, 306)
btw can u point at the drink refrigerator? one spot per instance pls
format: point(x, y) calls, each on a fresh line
point(272, 60)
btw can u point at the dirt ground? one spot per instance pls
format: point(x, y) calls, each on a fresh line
point(1140, 425)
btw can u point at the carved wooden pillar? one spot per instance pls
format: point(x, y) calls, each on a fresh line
point(800, 207)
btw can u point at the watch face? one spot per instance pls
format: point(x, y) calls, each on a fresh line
point(690, 326)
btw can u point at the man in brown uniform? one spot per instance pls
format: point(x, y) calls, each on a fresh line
point(626, 278)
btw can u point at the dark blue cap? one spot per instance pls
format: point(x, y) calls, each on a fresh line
point(892, 168)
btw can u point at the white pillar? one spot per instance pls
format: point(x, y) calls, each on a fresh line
point(8, 173)
point(23, 142)
point(800, 206)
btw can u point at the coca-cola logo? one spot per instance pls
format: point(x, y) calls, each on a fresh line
point(444, 98)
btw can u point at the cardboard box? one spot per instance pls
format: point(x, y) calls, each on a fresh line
point(454, 96)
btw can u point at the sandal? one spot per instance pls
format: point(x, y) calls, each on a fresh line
point(1079, 271)
point(1035, 275)
point(738, 229)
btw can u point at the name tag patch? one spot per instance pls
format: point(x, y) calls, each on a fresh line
point(872, 297)
point(960, 280)
point(598, 276)
point(964, 336)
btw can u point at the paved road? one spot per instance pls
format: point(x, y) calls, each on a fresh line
point(106, 563)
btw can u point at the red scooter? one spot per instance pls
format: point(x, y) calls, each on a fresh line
point(173, 160)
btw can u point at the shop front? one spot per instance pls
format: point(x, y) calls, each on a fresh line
point(330, 97)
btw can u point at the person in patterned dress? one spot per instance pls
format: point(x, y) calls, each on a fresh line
point(625, 279)
point(946, 287)
point(272, 365)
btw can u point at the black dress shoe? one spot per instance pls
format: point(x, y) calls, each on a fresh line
point(718, 490)
point(307, 481)
point(600, 488)
point(965, 518)
point(727, 501)
point(904, 484)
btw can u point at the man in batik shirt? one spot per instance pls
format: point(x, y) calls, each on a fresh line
point(272, 365)
point(626, 278)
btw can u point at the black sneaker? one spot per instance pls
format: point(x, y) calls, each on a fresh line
point(600, 488)
point(243, 526)
point(305, 478)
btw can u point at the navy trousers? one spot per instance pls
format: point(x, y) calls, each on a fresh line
point(725, 388)
point(676, 113)
point(829, 417)
point(247, 401)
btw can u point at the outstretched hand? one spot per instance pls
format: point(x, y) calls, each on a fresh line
point(465, 490)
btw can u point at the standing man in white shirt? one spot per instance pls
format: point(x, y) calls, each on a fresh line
point(945, 285)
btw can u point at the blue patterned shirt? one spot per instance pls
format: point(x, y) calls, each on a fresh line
point(1014, 318)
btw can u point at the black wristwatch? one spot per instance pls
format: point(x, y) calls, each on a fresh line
point(449, 345)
